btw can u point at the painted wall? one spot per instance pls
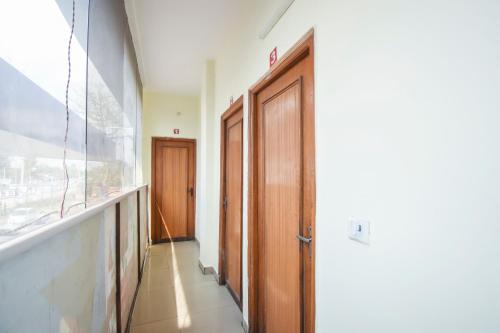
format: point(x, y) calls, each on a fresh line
point(68, 282)
point(208, 235)
point(162, 113)
point(407, 114)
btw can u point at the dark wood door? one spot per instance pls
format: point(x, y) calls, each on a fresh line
point(283, 188)
point(173, 189)
point(231, 199)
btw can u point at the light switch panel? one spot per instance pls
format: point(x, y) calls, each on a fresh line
point(359, 231)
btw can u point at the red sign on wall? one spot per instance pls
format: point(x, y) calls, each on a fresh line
point(176, 131)
point(273, 57)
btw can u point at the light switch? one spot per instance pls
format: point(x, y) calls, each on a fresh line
point(359, 231)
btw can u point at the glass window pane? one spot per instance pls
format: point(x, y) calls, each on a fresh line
point(112, 99)
point(33, 72)
point(104, 109)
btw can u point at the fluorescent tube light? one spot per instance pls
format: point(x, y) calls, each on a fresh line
point(278, 13)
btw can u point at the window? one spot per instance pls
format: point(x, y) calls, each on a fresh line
point(104, 109)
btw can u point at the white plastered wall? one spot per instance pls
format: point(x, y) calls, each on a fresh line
point(208, 234)
point(407, 116)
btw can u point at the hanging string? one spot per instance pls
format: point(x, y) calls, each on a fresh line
point(65, 166)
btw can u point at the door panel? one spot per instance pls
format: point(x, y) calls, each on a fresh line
point(172, 198)
point(231, 196)
point(174, 186)
point(280, 210)
point(234, 170)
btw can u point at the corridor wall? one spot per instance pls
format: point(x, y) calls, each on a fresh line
point(406, 102)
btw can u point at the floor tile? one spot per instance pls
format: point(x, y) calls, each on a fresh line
point(224, 320)
point(190, 275)
point(207, 296)
point(161, 326)
point(158, 262)
point(159, 249)
point(154, 305)
point(157, 279)
point(174, 295)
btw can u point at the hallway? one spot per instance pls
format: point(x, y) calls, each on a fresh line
point(300, 166)
point(174, 296)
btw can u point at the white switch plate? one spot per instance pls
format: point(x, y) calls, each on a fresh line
point(359, 231)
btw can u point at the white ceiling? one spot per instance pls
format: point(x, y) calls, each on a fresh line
point(173, 38)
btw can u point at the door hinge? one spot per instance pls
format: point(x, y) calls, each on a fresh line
point(225, 203)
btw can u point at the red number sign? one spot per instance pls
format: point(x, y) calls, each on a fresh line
point(273, 57)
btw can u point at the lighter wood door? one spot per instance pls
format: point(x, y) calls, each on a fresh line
point(280, 211)
point(173, 191)
point(233, 232)
point(282, 195)
point(175, 185)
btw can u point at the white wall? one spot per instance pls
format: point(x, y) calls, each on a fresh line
point(161, 116)
point(407, 117)
point(208, 235)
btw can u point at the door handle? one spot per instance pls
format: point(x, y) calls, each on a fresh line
point(304, 239)
point(307, 240)
point(190, 191)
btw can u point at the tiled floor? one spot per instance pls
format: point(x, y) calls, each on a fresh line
point(174, 296)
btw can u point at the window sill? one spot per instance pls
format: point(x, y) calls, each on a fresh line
point(25, 242)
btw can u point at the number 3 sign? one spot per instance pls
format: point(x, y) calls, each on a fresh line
point(273, 57)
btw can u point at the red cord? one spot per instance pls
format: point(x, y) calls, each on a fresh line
point(65, 166)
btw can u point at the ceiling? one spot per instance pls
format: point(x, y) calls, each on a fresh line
point(173, 38)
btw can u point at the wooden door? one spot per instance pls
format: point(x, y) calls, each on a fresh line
point(282, 196)
point(173, 189)
point(231, 199)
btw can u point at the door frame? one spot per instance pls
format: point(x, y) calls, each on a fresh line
point(191, 215)
point(232, 110)
point(303, 48)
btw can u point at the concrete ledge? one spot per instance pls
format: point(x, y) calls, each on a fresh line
point(26, 241)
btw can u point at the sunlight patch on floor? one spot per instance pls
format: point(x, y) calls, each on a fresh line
point(174, 296)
